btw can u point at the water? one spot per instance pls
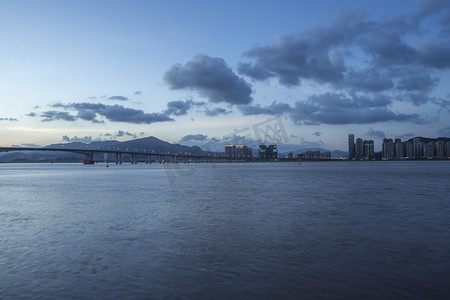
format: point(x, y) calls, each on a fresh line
point(199, 231)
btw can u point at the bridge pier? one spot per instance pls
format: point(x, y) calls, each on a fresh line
point(89, 158)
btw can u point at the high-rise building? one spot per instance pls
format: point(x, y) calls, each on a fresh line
point(238, 151)
point(262, 153)
point(315, 155)
point(272, 151)
point(429, 150)
point(268, 152)
point(420, 150)
point(325, 155)
point(399, 150)
point(351, 146)
point(440, 149)
point(388, 149)
point(418, 153)
point(447, 149)
point(409, 150)
point(229, 151)
point(368, 149)
point(359, 148)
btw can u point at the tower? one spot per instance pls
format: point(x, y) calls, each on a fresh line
point(351, 146)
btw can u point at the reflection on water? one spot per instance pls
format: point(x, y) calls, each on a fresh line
point(273, 230)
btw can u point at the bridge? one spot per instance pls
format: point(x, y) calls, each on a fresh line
point(160, 157)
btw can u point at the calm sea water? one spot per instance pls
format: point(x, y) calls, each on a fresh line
point(199, 231)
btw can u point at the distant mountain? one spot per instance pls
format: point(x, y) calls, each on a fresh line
point(429, 140)
point(40, 156)
point(149, 144)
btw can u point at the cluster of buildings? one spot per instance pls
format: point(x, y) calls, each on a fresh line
point(315, 155)
point(265, 152)
point(269, 152)
point(415, 149)
point(238, 151)
point(361, 149)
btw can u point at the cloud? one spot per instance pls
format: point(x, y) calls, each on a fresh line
point(88, 115)
point(444, 132)
point(180, 108)
point(31, 114)
point(120, 98)
point(137, 93)
point(8, 119)
point(369, 79)
point(211, 78)
point(317, 133)
point(356, 54)
point(311, 144)
point(125, 133)
point(27, 146)
point(274, 109)
point(86, 139)
point(53, 115)
point(305, 56)
point(193, 137)
point(427, 8)
point(120, 133)
point(336, 108)
point(114, 113)
point(216, 111)
point(406, 136)
point(375, 133)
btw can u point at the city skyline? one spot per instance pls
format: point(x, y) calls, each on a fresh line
point(197, 72)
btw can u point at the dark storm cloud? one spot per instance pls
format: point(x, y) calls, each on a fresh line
point(212, 112)
point(306, 56)
point(341, 109)
point(114, 113)
point(180, 108)
point(120, 98)
point(388, 60)
point(211, 78)
point(88, 115)
point(274, 109)
point(415, 79)
point(371, 80)
point(375, 133)
point(8, 119)
point(53, 115)
point(426, 8)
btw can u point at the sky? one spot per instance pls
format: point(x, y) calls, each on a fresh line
point(298, 73)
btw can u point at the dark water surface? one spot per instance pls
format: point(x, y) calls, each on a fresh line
point(199, 231)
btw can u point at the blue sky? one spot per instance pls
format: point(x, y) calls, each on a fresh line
point(197, 71)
